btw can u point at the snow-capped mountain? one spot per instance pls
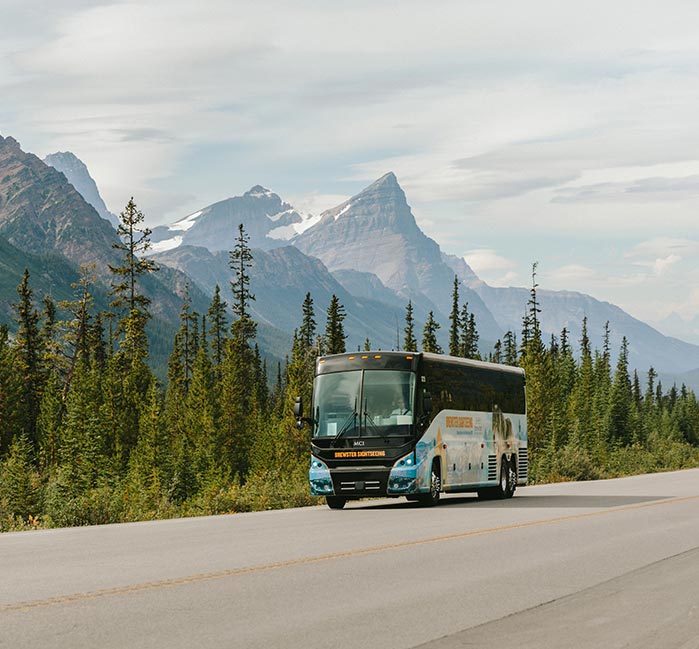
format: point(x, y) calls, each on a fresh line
point(75, 170)
point(268, 221)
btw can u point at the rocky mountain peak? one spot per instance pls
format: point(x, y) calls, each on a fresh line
point(268, 221)
point(258, 191)
point(76, 171)
point(9, 142)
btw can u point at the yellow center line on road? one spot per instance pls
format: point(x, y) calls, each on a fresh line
point(276, 565)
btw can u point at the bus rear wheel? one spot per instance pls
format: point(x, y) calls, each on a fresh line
point(506, 485)
point(335, 502)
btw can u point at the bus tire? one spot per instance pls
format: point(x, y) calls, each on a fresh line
point(504, 487)
point(335, 502)
point(511, 477)
point(431, 498)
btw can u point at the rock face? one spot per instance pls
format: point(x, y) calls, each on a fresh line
point(78, 175)
point(376, 231)
point(43, 215)
point(41, 212)
point(268, 221)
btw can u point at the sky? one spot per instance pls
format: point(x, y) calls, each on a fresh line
point(558, 132)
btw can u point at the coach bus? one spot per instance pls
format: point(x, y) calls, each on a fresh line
point(415, 425)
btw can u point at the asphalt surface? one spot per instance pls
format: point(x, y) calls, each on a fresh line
point(599, 564)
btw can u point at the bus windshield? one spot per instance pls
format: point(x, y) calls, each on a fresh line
point(363, 403)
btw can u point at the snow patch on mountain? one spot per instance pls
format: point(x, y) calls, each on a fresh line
point(167, 244)
point(185, 223)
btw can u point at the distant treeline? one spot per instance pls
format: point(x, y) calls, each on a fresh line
point(88, 435)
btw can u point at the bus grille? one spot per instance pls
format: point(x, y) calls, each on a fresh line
point(358, 482)
point(522, 464)
point(492, 467)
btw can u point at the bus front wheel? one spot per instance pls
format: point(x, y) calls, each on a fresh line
point(431, 498)
point(335, 502)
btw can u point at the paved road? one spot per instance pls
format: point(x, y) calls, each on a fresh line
point(600, 564)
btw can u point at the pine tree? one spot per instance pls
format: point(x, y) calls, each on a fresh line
point(48, 424)
point(409, 342)
point(429, 335)
point(240, 262)
point(79, 335)
point(510, 342)
point(238, 371)
point(135, 240)
point(455, 320)
point(20, 494)
point(12, 392)
point(307, 332)
point(334, 330)
point(496, 356)
point(620, 401)
point(581, 403)
point(29, 350)
point(218, 323)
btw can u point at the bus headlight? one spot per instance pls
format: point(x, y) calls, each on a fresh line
point(403, 476)
point(319, 477)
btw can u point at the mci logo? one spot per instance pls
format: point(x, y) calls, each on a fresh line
point(358, 442)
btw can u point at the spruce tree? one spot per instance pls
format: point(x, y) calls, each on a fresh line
point(334, 330)
point(455, 321)
point(29, 351)
point(409, 342)
point(134, 241)
point(12, 392)
point(429, 335)
point(238, 371)
point(510, 343)
point(218, 324)
point(619, 416)
point(307, 332)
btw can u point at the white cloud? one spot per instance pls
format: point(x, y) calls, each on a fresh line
point(530, 129)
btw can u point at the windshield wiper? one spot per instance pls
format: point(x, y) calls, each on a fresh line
point(352, 418)
point(368, 419)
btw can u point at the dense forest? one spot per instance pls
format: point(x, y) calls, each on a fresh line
point(89, 435)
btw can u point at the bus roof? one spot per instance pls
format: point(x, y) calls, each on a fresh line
point(445, 358)
point(408, 360)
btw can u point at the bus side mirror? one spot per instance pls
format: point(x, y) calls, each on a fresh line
point(298, 411)
point(427, 403)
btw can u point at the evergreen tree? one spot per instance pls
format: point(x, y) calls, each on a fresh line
point(79, 334)
point(238, 372)
point(218, 323)
point(29, 350)
point(510, 342)
point(12, 392)
point(429, 335)
point(409, 342)
point(496, 356)
point(20, 494)
point(144, 480)
point(621, 401)
point(455, 320)
point(240, 262)
point(135, 240)
point(307, 332)
point(334, 330)
point(49, 422)
point(82, 459)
